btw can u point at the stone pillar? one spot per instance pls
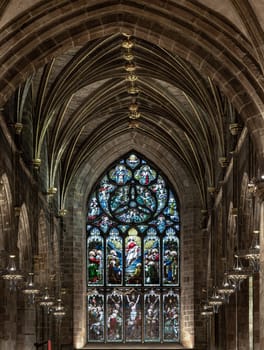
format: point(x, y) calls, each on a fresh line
point(260, 196)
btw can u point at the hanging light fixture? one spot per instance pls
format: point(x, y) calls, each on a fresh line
point(238, 274)
point(11, 274)
point(226, 289)
point(215, 300)
point(59, 310)
point(46, 300)
point(30, 290)
point(207, 310)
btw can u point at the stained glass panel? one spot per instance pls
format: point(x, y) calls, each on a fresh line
point(133, 228)
point(114, 313)
point(96, 317)
point(152, 316)
point(133, 271)
point(114, 270)
point(133, 317)
point(151, 258)
point(95, 263)
point(171, 317)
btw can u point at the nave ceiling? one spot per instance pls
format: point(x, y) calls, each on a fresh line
point(197, 66)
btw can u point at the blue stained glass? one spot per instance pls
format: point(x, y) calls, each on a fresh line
point(120, 174)
point(123, 228)
point(114, 260)
point(105, 223)
point(94, 208)
point(133, 161)
point(133, 271)
point(145, 198)
point(171, 261)
point(133, 215)
point(171, 209)
point(119, 198)
point(151, 258)
point(145, 175)
point(133, 256)
point(142, 228)
point(104, 192)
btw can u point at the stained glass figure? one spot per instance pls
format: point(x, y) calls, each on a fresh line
point(133, 317)
point(103, 192)
point(96, 317)
point(170, 259)
point(151, 258)
point(152, 316)
point(115, 317)
point(171, 209)
point(120, 174)
point(171, 317)
point(133, 255)
point(95, 254)
point(94, 209)
point(114, 251)
point(133, 271)
point(145, 175)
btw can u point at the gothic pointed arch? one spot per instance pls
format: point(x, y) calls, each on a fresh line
point(133, 255)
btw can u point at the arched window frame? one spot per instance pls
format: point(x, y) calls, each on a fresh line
point(103, 293)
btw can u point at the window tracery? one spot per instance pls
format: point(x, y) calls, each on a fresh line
point(133, 284)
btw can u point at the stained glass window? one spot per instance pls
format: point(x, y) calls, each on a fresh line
point(133, 251)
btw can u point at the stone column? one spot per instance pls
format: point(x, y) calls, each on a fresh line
point(260, 196)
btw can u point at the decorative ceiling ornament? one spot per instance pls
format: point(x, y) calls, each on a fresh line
point(128, 56)
point(134, 115)
point(131, 77)
point(127, 43)
point(132, 89)
point(130, 67)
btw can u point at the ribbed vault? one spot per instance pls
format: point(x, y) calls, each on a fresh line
point(197, 74)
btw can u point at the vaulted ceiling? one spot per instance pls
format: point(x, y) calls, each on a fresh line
point(87, 74)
